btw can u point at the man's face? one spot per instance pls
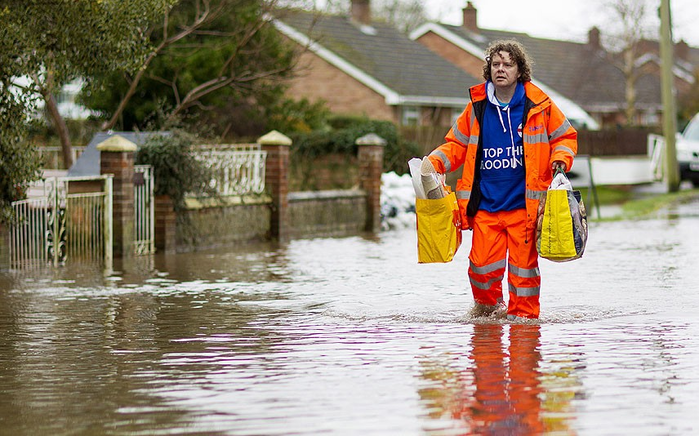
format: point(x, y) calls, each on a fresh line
point(503, 70)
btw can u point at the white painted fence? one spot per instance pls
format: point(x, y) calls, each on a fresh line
point(62, 224)
point(144, 210)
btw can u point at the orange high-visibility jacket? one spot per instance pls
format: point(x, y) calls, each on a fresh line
point(548, 136)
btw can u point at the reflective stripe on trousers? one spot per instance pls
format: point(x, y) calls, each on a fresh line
point(499, 243)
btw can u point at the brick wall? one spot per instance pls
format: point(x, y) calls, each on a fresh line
point(220, 225)
point(318, 80)
point(311, 214)
point(327, 213)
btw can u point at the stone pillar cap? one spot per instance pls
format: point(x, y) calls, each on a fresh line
point(274, 138)
point(117, 144)
point(370, 139)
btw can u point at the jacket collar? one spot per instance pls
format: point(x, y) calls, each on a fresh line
point(533, 93)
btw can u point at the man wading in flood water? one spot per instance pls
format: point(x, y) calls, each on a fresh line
point(511, 138)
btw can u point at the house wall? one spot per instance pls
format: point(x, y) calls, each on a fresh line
point(438, 116)
point(316, 79)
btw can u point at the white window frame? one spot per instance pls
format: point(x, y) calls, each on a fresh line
point(410, 115)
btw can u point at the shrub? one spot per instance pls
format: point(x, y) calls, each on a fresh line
point(177, 171)
point(19, 163)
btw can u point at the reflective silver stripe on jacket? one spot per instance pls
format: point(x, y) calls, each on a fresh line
point(458, 134)
point(443, 157)
point(463, 195)
point(535, 195)
point(565, 149)
point(561, 130)
point(537, 138)
point(523, 292)
point(523, 272)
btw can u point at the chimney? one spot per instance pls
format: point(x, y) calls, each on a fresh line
point(361, 11)
point(682, 50)
point(470, 21)
point(593, 39)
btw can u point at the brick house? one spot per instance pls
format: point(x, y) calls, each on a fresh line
point(583, 73)
point(360, 67)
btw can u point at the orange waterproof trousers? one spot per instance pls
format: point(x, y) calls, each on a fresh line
point(500, 240)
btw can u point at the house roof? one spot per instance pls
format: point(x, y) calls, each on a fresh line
point(573, 111)
point(576, 70)
point(88, 163)
point(402, 70)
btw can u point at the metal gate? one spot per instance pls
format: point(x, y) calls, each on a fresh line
point(144, 210)
point(70, 218)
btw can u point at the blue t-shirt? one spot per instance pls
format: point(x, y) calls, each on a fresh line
point(502, 164)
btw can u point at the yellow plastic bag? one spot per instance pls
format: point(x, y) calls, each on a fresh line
point(438, 229)
point(561, 225)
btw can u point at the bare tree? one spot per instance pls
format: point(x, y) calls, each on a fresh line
point(205, 14)
point(404, 15)
point(183, 33)
point(51, 43)
point(629, 27)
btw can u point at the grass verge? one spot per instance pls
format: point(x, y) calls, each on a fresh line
point(634, 205)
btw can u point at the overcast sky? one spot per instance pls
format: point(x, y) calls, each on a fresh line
point(561, 19)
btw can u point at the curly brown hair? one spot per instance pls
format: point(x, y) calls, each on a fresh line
point(516, 51)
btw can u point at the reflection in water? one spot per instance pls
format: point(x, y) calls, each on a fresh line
point(503, 389)
point(351, 337)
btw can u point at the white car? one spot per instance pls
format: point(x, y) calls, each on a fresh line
point(687, 146)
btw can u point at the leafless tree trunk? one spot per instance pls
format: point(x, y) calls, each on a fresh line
point(630, 28)
point(61, 128)
point(51, 106)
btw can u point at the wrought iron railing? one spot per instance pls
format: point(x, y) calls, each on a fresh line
point(237, 169)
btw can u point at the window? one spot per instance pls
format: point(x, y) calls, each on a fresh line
point(411, 116)
point(649, 118)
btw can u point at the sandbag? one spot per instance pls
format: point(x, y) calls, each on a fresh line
point(561, 225)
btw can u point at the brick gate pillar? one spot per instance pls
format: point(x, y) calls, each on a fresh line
point(165, 225)
point(117, 158)
point(4, 246)
point(278, 147)
point(370, 156)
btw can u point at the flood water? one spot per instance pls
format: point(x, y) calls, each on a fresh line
point(350, 336)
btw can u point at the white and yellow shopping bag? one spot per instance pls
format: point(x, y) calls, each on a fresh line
point(561, 222)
